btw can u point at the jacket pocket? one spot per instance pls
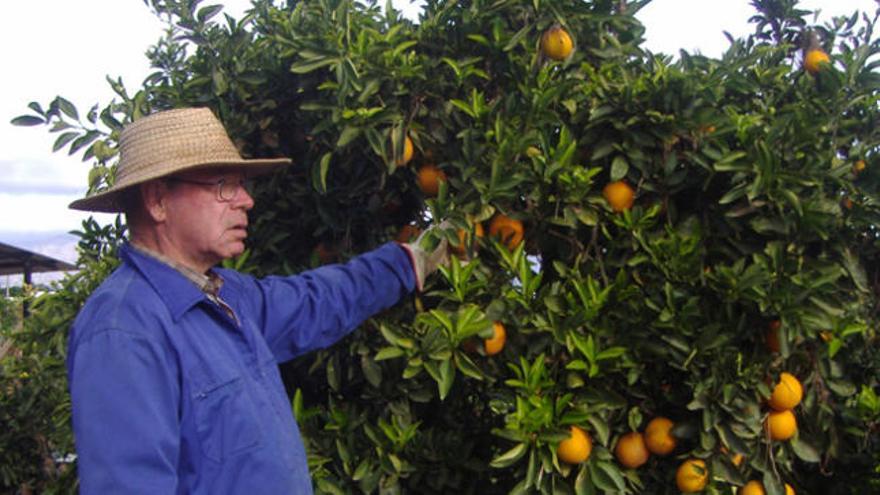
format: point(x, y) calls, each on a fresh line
point(225, 417)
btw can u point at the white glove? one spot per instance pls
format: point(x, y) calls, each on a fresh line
point(425, 262)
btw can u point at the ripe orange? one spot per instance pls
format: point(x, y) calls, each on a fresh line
point(466, 237)
point(658, 436)
point(692, 476)
point(789, 490)
point(781, 425)
point(576, 449)
point(619, 195)
point(510, 230)
point(408, 152)
point(815, 59)
point(753, 487)
point(429, 179)
point(787, 393)
point(631, 450)
point(408, 232)
point(496, 343)
point(858, 166)
point(556, 43)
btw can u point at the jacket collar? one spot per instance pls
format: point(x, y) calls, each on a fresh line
point(177, 291)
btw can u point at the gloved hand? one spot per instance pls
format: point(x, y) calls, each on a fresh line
point(425, 262)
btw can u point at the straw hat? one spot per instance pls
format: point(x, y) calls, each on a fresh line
point(167, 143)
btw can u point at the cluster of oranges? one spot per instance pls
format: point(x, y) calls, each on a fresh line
point(633, 449)
point(781, 423)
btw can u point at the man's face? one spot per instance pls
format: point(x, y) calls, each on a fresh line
point(204, 227)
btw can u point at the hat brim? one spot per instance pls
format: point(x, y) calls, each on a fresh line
point(110, 200)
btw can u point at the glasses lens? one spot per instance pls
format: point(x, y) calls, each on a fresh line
point(229, 190)
point(226, 189)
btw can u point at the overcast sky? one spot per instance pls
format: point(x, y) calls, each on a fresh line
point(64, 47)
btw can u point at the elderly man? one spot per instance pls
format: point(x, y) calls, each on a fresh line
point(173, 361)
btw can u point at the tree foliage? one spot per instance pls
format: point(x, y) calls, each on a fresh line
point(756, 208)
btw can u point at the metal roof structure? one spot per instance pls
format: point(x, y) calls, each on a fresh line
point(15, 260)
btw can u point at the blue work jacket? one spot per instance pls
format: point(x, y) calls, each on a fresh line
point(171, 394)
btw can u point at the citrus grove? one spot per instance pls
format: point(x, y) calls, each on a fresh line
point(630, 230)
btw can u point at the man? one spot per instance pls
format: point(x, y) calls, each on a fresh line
point(173, 362)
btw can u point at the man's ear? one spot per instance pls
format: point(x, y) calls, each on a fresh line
point(155, 199)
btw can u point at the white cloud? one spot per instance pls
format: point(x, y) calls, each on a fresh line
point(32, 212)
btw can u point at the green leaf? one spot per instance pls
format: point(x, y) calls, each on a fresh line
point(349, 134)
point(447, 377)
point(208, 12)
point(67, 107)
point(306, 66)
point(614, 474)
point(619, 168)
point(27, 120)
point(853, 265)
point(582, 484)
point(389, 353)
point(464, 363)
point(510, 457)
point(323, 168)
point(515, 39)
point(63, 139)
point(804, 451)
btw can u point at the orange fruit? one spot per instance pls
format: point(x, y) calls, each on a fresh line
point(429, 179)
point(575, 449)
point(781, 425)
point(408, 152)
point(496, 343)
point(737, 459)
point(753, 487)
point(858, 166)
point(658, 436)
point(466, 237)
point(510, 230)
point(631, 450)
point(815, 59)
point(619, 195)
point(692, 476)
point(408, 232)
point(789, 490)
point(787, 393)
point(556, 43)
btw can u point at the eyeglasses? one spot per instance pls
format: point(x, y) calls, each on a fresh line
point(226, 190)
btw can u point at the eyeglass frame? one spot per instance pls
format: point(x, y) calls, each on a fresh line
point(243, 184)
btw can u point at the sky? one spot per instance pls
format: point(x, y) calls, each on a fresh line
point(67, 48)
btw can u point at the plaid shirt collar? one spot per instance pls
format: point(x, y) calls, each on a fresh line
point(209, 283)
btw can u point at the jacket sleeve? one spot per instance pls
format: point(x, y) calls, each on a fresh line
point(316, 308)
point(125, 398)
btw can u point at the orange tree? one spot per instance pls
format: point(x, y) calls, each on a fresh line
point(744, 202)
